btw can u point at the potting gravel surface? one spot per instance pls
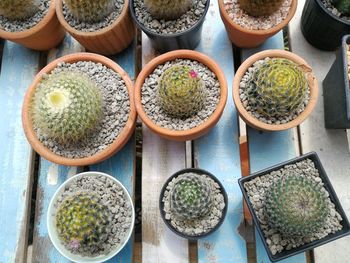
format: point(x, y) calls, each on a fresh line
point(155, 112)
point(93, 26)
point(112, 196)
point(116, 109)
point(21, 25)
point(334, 11)
point(198, 226)
point(240, 17)
point(243, 85)
point(161, 26)
point(258, 188)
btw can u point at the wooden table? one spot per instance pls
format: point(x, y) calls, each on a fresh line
point(218, 152)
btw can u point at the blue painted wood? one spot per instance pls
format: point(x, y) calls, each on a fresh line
point(218, 152)
point(19, 65)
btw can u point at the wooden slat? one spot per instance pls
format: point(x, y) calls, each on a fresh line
point(331, 145)
point(19, 65)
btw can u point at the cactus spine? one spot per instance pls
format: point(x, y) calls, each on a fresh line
point(167, 9)
point(260, 7)
point(343, 6)
point(18, 9)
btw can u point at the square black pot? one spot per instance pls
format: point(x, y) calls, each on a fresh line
point(336, 91)
point(288, 253)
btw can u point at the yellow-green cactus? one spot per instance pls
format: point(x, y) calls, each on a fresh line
point(343, 6)
point(18, 9)
point(260, 7)
point(168, 9)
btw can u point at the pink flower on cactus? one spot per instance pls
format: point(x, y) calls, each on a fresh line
point(74, 244)
point(193, 74)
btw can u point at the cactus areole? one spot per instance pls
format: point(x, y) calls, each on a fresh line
point(168, 9)
point(260, 7)
point(18, 9)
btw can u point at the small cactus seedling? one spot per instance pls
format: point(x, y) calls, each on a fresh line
point(191, 197)
point(66, 106)
point(18, 9)
point(277, 88)
point(83, 222)
point(167, 9)
point(90, 10)
point(343, 6)
point(181, 91)
point(296, 206)
point(260, 7)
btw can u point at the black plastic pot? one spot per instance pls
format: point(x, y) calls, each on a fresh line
point(327, 184)
point(321, 28)
point(161, 204)
point(336, 91)
point(167, 42)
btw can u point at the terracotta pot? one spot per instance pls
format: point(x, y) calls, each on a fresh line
point(247, 38)
point(201, 129)
point(274, 53)
point(107, 41)
point(118, 143)
point(47, 34)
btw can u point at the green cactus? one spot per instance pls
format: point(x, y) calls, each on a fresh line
point(90, 10)
point(343, 6)
point(260, 7)
point(296, 206)
point(66, 106)
point(167, 9)
point(190, 197)
point(83, 222)
point(181, 91)
point(277, 88)
point(18, 9)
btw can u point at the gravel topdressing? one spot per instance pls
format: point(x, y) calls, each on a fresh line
point(21, 25)
point(116, 109)
point(334, 11)
point(240, 17)
point(183, 23)
point(90, 26)
point(259, 187)
point(155, 112)
point(112, 196)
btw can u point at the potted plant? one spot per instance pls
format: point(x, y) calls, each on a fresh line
point(170, 25)
point(193, 203)
point(31, 23)
point(101, 26)
point(274, 90)
point(294, 207)
point(250, 22)
point(90, 217)
point(181, 94)
point(332, 16)
point(79, 110)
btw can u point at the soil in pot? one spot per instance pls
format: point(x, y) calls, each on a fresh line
point(338, 8)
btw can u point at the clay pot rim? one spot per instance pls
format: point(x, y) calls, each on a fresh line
point(252, 121)
point(72, 30)
point(117, 144)
point(33, 30)
point(199, 130)
point(276, 28)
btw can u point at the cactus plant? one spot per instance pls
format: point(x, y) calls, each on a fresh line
point(181, 91)
point(167, 9)
point(191, 197)
point(260, 7)
point(277, 88)
point(343, 6)
point(66, 106)
point(18, 9)
point(90, 10)
point(83, 222)
point(296, 206)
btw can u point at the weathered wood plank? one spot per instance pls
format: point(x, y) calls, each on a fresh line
point(19, 65)
point(331, 145)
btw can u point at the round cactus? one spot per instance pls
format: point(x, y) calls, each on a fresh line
point(190, 197)
point(343, 6)
point(181, 91)
point(260, 7)
point(277, 88)
point(83, 222)
point(18, 9)
point(90, 10)
point(66, 106)
point(167, 9)
point(296, 206)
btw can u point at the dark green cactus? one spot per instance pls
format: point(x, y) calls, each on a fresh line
point(277, 88)
point(296, 206)
point(181, 91)
point(260, 7)
point(343, 6)
point(18, 9)
point(167, 9)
